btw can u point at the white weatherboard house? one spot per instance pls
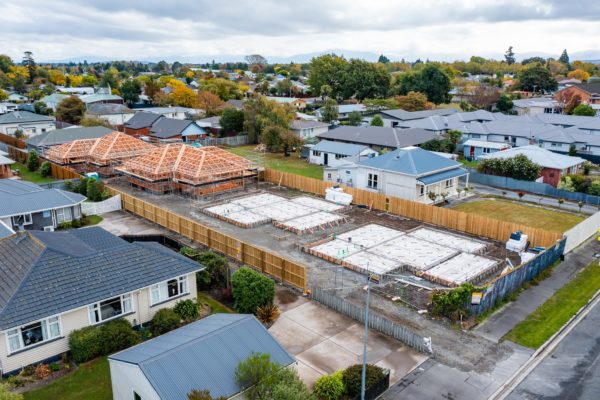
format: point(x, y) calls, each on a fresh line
point(329, 153)
point(52, 283)
point(202, 355)
point(409, 173)
point(28, 123)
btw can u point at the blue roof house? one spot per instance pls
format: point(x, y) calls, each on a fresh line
point(410, 173)
point(202, 355)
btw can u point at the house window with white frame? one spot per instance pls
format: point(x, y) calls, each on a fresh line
point(317, 153)
point(449, 183)
point(24, 219)
point(32, 334)
point(486, 150)
point(422, 190)
point(63, 215)
point(372, 181)
point(110, 308)
point(166, 290)
point(338, 156)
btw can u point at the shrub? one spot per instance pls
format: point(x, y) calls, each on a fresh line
point(330, 387)
point(351, 377)
point(28, 370)
point(451, 303)
point(45, 169)
point(54, 367)
point(267, 314)
point(117, 335)
point(251, 290)
point(164, 320)
point(33, 161)
point(42, 371)
point(6, 394)
point(64, 225)
point(85, 344)
point(76, 223)
point(187, 310)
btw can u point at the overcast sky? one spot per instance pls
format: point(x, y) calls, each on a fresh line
point(194, 29)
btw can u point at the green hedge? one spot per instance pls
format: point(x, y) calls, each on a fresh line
point(164, 320)
point(94, 341)
point(352, 378)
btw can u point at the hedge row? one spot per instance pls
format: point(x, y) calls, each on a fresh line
point(94, 341)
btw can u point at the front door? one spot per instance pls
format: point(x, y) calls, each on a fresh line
point(325, 158)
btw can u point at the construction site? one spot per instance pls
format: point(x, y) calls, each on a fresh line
point(101, 155)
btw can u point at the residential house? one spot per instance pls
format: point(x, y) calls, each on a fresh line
point(53, 283)
point(32, 207)
point(563, 83)
point(30, 124)
point(299, 104)
point(235, 103)
point(330, 153)
point(202, 355)
point(139, 125)
point(344, 110)
point(409, 173)
point(306, 129)
point(101, 97)
point(393, 118)
point(45, 140)
point(473, 148)
point(211, 124)
point(172, 112)
point(17, 98)
point(6, 107)
point(81, 90)
point(378, 138)
point(114, 113)
point(553, 165)
point(170, 129)
point(588, 92)
point(536, 106)
point(53, 100)
point(5, 163)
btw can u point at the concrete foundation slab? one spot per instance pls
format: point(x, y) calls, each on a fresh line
point(366, 262)
point(370, 235)
point(460, 269)
point(415, 253)
point(257, 200)
point(312, 222)
point(337, 249)
point(283, 211)
point(449, 240)
point(317, 203)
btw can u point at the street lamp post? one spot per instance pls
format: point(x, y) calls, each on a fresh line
point(363, 377)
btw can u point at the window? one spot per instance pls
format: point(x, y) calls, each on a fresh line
point(486, 150)
point(317, 153)
point(422, 190)
point(63, 214)
point(338, 156)
point(506, 138)
point(372, 181)
point(554, 144)
point(169, 289)
point(32, 334)
point(475, 136)
point(24, 219)
point(47, 214)
point(329, 175)
point(551, 174)
point(111, 308)
point(76, 212)
point(449, 183)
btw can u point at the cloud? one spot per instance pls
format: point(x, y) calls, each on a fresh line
point(146, 29)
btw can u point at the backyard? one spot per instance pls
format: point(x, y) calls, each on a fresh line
point(535, 217)
point(544, 322)
point(292, 164)
point(27, 175)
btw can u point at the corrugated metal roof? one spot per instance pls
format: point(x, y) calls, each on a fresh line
point(5, 230)
point(410, 161)
point(20, 197)
point(60, 136)
point(540, 156)
point(6, 160)
point(378, 136)
point(442, 176)
point(46, 273)
point(203, 355)
point(483, 143)
point(403, 115)
point(346, 149)
point(17, 117)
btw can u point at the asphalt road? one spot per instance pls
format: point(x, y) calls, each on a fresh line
point(572, 371)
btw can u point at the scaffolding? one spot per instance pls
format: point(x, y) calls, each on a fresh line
point(190, 170)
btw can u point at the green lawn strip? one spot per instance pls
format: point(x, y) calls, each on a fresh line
point(27, 175)
point(278, 161)
point(217, 307)
point(544, 322)
point(470, 164)
point(90, 381)
point(94, 219)
point(534, 217)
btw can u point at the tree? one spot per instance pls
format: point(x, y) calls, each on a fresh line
point(224, 88)
point(250, 290)
point(210, 103)
point(70, 110)
point(41, 108)
point(5, 63)
point(414, 101)
point(29, 63)
point(354, 118)
point(232, 120)
point(365, 80)
point(57, 77)
point(533, 60)
point(567, 101)
point(509, 56)
point(110, 78)
point(329, 112)
point(330, 387)
point(572, 150)
point(33, 161)
point(183, 96)
point(504, 104)
point(537, 78)
point(383, 59)
point(93, 121)
point(431, 80)
point(328, 69)
point(518, 167)
point(484, 96)
point(325, 91)
point(584, 110)
point(579, 74)
point(377, 120)
point(152, 89)
point(277, 138)
point(202, 395)
point(3, 95)
point(265, 379)
point(131, 90)
point(564, 58)
point(256, 62)
point(260, 113)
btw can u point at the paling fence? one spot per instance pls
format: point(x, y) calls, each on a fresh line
point(12, 141)
point(445, 217)
point(102, 207)
point(582, 231)
point(56, 171)
point(540, 188)
point(282, 269)
point(225, 141)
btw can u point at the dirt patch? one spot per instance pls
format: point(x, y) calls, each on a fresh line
point(286, 296)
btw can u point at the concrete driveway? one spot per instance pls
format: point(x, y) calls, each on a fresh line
point(123, 223)
point(324, 341)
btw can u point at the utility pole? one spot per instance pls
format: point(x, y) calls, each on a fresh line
point(363, 378)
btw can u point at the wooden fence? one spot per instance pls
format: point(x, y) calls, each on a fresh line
point(285, 270)
point(445, 217)
point(12, 141)
point(56, 171)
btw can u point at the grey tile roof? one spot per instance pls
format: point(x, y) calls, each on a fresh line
point(5, 230)
point(589, 87)
point(538, 155)
point(108, 108)
point(203, 355)
point(307, 124)
point(142, 119)
point(60, 136)
point(378, 136)
point(169, 127)
point(410, 161)
point(54, 272)
point(20, 197)
point(17, 117)
point(402, 115)
point(346, 149)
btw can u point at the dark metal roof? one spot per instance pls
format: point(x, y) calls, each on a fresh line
point(169, 127)
point(60, 136)
point(203, 355)
point(108, 108)
point(17, 117)
point(402, 115)
point(47, 273)
point(379, 136)
point(142, 119)
point(20, 197)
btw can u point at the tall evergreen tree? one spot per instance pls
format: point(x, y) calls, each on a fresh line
point(29, 62)
point(509, 56)
point(564, 58)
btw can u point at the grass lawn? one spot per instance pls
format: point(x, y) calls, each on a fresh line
point(292, 164)
point(90, 381)
point(27, 175)
point(217, 308)
point(469, 164)
point(534, 217)
point(94, 219)
point(544, 322)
